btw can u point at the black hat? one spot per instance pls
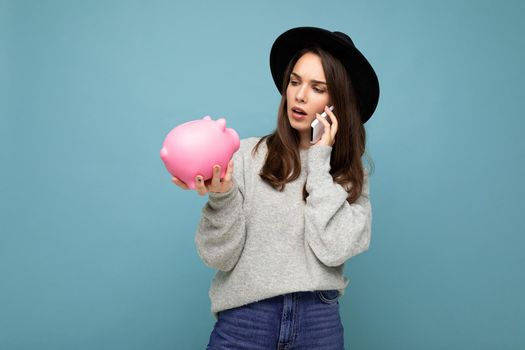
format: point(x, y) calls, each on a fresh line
point(338, 44)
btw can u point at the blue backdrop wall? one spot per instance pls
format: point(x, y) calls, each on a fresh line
point(97, 245)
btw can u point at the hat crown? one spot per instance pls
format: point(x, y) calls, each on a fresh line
point(344, 37)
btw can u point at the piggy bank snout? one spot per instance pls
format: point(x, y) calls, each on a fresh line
point(164, 153)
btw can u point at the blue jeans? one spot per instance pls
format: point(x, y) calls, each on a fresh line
point(301, 321)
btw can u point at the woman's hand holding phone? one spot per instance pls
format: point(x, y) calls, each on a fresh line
point(317, 127)
point(214, 184)
point(328, 136)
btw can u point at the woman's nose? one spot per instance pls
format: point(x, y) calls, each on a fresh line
point(300, 95)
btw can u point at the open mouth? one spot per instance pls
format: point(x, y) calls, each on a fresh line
point(298, 111)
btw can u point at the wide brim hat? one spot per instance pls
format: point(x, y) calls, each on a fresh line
point(361, 73)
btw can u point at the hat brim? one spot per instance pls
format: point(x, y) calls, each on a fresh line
point(361, 73)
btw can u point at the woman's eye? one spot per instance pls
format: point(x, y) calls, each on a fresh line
point(319, 90)
point(293, 82)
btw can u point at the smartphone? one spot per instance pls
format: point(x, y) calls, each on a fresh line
point(317, 128)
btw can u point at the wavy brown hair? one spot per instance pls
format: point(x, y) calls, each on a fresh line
point(282, 163)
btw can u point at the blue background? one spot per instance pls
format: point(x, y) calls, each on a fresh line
point(97, 245)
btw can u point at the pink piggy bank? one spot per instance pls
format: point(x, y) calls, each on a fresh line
point(193, 148)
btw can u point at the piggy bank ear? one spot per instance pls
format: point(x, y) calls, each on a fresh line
point(221, 123)
point(207, 118)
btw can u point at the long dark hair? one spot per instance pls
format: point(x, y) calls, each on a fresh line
point(282, 163)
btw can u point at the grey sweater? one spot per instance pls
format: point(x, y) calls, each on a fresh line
point(264, 243)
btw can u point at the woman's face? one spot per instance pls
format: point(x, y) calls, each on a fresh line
point(306, 93)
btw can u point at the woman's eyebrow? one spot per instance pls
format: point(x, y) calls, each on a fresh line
point(313, 81)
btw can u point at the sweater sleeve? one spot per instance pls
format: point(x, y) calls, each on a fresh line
point(334, 229)
point(221, 231)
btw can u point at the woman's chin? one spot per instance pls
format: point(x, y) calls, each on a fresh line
point(299, 124)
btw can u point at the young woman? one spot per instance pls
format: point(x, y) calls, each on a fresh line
point(288, 213)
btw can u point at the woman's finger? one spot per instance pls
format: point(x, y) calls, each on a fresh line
point(179, 183)
point(229, 172)
point(335, 123)
point(199, 185)
point(216, 180)
point(227, 183)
